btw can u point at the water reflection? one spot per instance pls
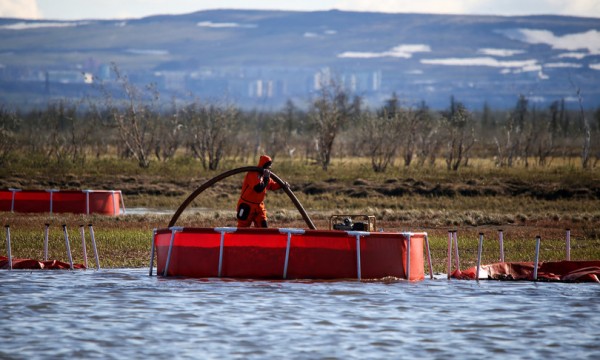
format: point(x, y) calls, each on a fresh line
point(124, 313)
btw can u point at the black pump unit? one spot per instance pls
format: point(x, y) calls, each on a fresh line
point(346, 223)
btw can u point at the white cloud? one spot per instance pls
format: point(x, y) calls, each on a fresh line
point(401, 51)
point(589, 40)
point(508, 67)
point(595, 66)
point(310, 34)
point(587, 8)
point(147, 52)
point(562, 65)
point(500, 52)
point(22, 9)
point(400, 6)
point(530, 65)
point(579, 7)
point(538, 99)
point(25, 25)
point(111, 9)
point(211, 24)
point(573, 55)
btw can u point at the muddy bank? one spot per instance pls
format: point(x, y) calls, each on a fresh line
point(400, 187)
point(359, 188)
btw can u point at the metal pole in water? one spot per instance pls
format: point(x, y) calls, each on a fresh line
point(568, 250)
point(501, 238)
point(429, 257)
point(152, 251)
point(67, 245)
point(8, 247)
point(537, 256)
point(94, 246)
point(456, 250)
point(46, 233)
point(82, 231)
point(449, 253)
point(479, 250)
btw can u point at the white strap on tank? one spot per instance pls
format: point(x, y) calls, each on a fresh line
point(358, 234)
point(223, 230)
point(289, 233)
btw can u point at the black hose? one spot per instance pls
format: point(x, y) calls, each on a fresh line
point(229, 173)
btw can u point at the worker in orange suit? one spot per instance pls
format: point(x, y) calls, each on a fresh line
point(251, 206)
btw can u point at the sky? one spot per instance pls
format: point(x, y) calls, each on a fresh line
point(120, 9)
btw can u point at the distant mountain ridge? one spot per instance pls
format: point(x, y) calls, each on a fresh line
point(262, 58)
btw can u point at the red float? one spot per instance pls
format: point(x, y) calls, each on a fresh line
point(253, 253)
point(104, 202)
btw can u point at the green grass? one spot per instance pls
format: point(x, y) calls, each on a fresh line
point(128, 246)
point(124, 241)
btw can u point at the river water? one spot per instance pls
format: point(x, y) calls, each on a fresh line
point(124, 313)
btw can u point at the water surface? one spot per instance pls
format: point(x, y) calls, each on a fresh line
point(124, 313)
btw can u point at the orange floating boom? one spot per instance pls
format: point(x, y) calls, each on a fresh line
point(104, 202)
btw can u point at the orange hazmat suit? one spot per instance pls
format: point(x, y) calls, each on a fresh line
point(251, 206)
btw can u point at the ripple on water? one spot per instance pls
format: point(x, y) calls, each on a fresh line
point(125, 313)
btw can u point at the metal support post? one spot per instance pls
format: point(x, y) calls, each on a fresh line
point(82, 231)
point(8, 250)
point(537, 256)
point(68, 246)
point(479, 251)
point(93, 237)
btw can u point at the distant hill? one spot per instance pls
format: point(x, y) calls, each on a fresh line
point(262, 58)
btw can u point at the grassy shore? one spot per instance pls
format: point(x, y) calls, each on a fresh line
point(477, 199)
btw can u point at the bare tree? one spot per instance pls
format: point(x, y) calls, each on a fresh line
point(135, 118)
point(381, 133)
point(510, 145)
point(66, 133)
point(460, 136)
point(545, 142)
point(596, 132)
point(212, 129)
point(329, 113)
point(409, 126)
point(283, 128)
point(170, 132)
point(587, 134)
point(406, 123)
point(428, 139)
point(538, 139)
point(503, 147)
point(8, 140)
